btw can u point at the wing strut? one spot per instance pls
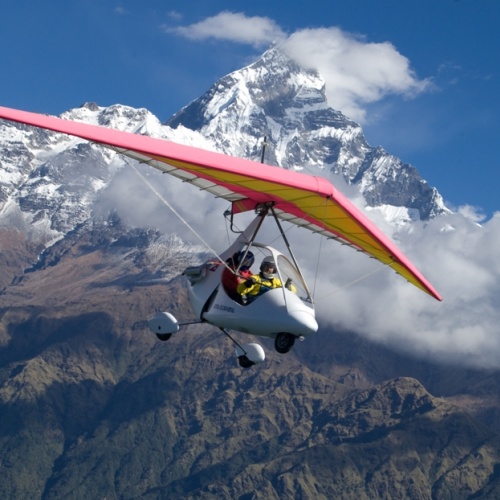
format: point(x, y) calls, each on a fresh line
point(285, 239)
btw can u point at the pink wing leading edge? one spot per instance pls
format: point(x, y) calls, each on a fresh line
point(308, 201)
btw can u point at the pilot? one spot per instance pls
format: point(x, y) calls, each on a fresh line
point(237, 272)
point(260, 283)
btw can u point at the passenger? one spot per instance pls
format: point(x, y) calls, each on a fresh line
point(260, 283)
point(237, 272)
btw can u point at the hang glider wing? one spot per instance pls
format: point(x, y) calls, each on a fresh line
point(308, 201)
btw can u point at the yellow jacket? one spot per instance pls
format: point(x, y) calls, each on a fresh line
point(253, 286)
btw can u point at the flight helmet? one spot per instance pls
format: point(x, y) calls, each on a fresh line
point(243, 259)
point(268, 267)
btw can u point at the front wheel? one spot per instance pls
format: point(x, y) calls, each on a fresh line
point(163, 336)
point(284, 342)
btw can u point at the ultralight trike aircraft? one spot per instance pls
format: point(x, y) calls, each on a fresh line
point(285, 312)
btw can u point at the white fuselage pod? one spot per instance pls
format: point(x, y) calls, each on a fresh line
point(275, 311)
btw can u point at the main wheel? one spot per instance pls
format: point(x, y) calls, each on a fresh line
point(284, 342)
point(163, 336)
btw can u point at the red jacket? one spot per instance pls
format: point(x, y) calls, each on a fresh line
point(230, 280)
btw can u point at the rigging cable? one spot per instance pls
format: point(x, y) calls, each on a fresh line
point(347, 285)
point(319, 252)
point(317, 266)
point(176, 213)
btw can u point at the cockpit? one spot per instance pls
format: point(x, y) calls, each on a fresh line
point(249, 262)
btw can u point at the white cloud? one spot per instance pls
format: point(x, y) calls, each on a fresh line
point(456, 254)
point(121, 10)
point(473, 213)
point(136, 203)
point(232, 26)
point(175, 15)
point(356, 72)
point(462, 264)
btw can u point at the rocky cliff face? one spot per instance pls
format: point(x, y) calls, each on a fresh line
point(93, 406)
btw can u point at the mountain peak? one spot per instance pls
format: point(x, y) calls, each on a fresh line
point(272, 83)
point(277, 99)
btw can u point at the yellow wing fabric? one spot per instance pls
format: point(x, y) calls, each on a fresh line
point(308, 201)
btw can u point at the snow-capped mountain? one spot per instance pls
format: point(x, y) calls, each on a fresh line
point(50, 182)
point(275, 98)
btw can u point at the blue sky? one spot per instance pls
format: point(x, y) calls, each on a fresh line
point(422, 76)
